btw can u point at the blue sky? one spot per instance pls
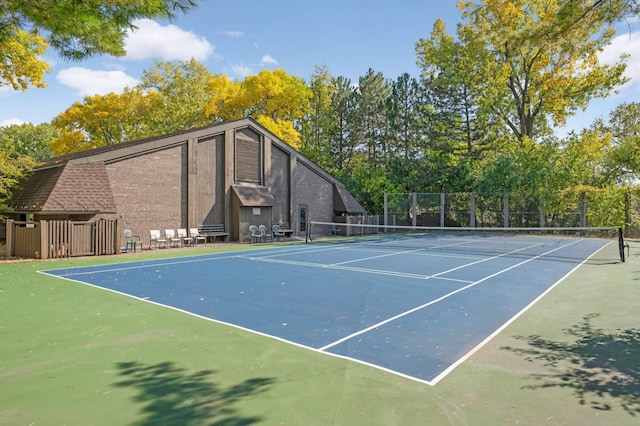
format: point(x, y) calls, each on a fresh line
point(241, 38)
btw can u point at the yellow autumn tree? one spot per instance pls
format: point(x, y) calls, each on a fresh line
point(225, 103)
point(19, 63)
point(103, 120)
point(275, 99)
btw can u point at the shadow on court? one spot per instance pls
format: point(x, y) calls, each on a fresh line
point(596, 365)
point(171, 395)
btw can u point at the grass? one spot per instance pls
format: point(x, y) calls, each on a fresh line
point(74, 354)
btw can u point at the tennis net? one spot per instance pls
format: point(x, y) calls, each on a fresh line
point(601, 243)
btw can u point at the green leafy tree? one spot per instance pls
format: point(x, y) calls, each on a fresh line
point(404, 114)
point(623, 157)
point(13, 166)
point(182, 93)
point(528, 81)
point(315, 127)
point(341, 127)
point(79, 29)
point(370, 125)
point(30, 140)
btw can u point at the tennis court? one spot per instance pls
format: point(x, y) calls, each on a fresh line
point(416, 307)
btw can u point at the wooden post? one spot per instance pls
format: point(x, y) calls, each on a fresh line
point(9, 248)
point(44, 239)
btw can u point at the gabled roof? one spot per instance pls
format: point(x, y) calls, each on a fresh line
point(343, 200)
point(254, 196)
point(67, 188)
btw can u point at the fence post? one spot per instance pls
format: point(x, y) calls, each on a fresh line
point(505, 212)
point(44, 239)
point(443, 206)
point(414, 208)
point(10, 238)
point(542, 216)
point(472, 218)
point(386, 210)
point(583, 210)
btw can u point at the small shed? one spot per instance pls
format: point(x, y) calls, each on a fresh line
point(63, 211)
point(253, 205)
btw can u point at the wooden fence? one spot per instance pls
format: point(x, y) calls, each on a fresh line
point(52, 239)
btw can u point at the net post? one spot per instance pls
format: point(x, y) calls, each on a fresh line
point(621, 244)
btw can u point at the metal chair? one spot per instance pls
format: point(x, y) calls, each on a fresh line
point(196, 236)
point(172, 238)
point(185, 239)
point(155, 239)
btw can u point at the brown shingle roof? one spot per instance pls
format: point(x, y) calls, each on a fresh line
point(344, 202)
point(68, 188)
point(254, 196)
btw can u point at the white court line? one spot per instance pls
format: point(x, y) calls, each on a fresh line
point(138, 264)
point(446, 296)
point(385, 272)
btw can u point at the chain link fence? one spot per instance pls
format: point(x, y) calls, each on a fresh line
point(611, 207)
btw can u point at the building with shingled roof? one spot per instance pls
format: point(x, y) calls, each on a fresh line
point(229, 175)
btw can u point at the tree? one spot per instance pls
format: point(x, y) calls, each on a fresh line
point(454, 94)
point(225, 100)
point(103, 120)
point(182, 93)
point(13, 166)
point(274, 99)
point(622, 163)
point(19, 63)
point(529, 82)
point(341, 127)
point(315, 127)
point(370, 121)
point(30, 140)
point(403, 113)
point(76, 29)
point(21, 147)
point(278, 101)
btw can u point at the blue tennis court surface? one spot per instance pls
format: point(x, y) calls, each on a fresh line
point(415, 312)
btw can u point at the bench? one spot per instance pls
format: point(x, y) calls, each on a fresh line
point(286, 229)
point(283, 231)
point(213, 231)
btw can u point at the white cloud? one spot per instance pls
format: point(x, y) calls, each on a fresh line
point(232, 34)
point(152, 40)
point(11, 122)
point(267, 59)
point(89, 82)
point(242, 70)
point(628, 43)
